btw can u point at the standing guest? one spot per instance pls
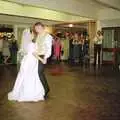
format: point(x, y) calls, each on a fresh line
point(76, 50)
point(86, 45)
point(57, 48)
point(10, 46)
point(71, 48)
point(86, 50)
point(98, 47)
point(6, 51)
point(50, 59)
point(14, 49)
point(81, 46)
point(66, 46)
point(1, 49)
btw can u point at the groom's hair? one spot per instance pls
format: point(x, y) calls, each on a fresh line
point(39, 24)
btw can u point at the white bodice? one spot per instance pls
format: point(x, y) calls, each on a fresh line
point(31, 47)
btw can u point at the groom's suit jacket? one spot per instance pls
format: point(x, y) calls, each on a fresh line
point(44, 45)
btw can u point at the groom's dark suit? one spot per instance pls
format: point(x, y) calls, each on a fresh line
point(44, 50)
point(42, 77)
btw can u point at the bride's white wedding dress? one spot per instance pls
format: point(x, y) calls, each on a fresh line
point(28, 86)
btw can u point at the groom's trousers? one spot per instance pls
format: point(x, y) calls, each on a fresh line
point(43, 78)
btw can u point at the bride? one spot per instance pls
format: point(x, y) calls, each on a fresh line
point(28, 86)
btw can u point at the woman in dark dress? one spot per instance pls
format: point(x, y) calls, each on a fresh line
point(76, 50)
point(81, 47)
point(14, 49)
point(71, 48)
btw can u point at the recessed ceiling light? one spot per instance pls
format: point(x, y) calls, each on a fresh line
point(70, 25)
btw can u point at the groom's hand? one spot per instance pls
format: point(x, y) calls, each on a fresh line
point(44, 61)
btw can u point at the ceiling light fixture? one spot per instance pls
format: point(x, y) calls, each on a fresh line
point(70, 25)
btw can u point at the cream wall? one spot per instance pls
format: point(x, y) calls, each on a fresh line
point(49, 29)
point(110, 23)
point(108, 14)
point(109, 17)
point(107, 23)
point(98, 25)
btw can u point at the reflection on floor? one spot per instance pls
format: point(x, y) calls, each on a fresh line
point(76, 94)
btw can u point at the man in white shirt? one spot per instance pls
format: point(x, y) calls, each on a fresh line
point(98, 47)
point(44, 43)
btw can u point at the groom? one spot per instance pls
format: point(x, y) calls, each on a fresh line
point(44, 43)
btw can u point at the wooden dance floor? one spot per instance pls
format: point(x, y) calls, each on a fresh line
point(76, 94)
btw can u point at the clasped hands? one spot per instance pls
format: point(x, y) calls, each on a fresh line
point(43, 60)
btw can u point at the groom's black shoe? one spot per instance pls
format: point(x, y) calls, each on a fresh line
point(46, 97)
point(46, 94)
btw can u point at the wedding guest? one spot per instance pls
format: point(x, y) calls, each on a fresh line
point(65, 44)
point(57, 48)
point(76, 50)
point(71, 48)
point(14, 49)
point(1, 49)
point(98, 47)
point(6, 51)
point(81, 46)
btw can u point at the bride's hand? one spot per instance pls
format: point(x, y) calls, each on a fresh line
point(44, 61)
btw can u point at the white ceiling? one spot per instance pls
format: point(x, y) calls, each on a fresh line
point(115, 4)
point(92, 3)
point(84, 8)
point(48, 3)
point(96, 9)
point(7, 19)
